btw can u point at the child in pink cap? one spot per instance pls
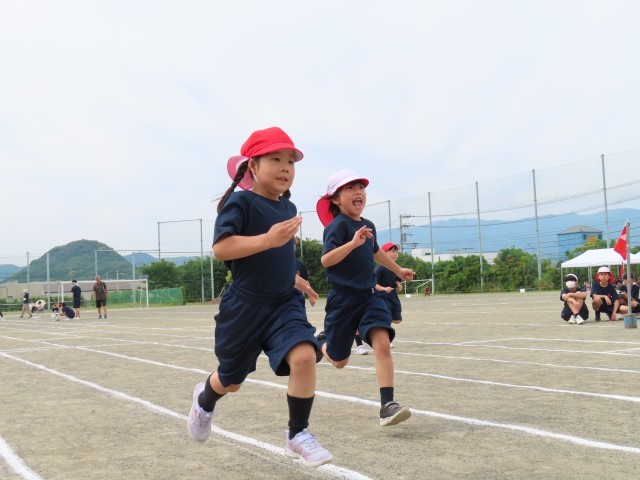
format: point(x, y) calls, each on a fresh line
point(348, 253)
point(261, 310)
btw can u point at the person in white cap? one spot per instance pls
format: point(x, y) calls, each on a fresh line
point(25, 303)
point(604, 295)
point(349, 250)
point(575, 311)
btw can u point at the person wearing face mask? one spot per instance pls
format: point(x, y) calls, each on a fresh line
point(575, 311)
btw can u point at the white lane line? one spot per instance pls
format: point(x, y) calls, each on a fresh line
point(333, 470)
point(472, 421)
point(483, 423)
point(511, 362)
point(609, 396)
point(15, 463)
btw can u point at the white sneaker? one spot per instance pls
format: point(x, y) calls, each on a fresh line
point(572, 319)
point(579, 320)
point(199, 421)
point(360, 350)
point(305, 447)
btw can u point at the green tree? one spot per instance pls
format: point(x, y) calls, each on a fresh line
point(514, 268)
point(162, 274)
point(312, 250)
point(462, 274)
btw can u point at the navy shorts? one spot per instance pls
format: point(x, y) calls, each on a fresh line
point(76, 303)
point(250, 323)
point(349, 311)
point(566, 313)
point(394, 306)
point(101, 303)
point(604, 308)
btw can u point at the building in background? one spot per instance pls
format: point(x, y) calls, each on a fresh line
point(575, 237)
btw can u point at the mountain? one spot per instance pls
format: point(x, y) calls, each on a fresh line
point(7, 270)
point(78, 260)
point(457, 235)
point(146, 259)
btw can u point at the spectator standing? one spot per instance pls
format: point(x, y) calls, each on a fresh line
point(77, 297)
point(25, 303)
point(100, 295)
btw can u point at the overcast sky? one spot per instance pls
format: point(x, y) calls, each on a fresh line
point(117, 115)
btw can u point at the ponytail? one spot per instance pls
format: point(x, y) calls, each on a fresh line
point(242, 169)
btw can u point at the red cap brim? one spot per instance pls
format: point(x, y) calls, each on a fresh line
point(323, 209)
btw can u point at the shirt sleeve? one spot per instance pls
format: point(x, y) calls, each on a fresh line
point(230, 220)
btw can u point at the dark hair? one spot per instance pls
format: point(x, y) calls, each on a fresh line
point(242, 169)
point(333, 208)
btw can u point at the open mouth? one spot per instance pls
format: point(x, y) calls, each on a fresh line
point(357, 202)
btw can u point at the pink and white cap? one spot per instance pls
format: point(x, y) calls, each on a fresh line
point(336, 181)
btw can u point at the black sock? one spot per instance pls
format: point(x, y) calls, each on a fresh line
point(386, 395)
point(358, 340)
point(299, 413)
point(208, 398)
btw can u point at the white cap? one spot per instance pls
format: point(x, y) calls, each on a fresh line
point(604, 270)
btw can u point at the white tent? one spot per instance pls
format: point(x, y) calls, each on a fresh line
point(597, 258)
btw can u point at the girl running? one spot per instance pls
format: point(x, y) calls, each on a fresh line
point(261, 310)
point(348, 254)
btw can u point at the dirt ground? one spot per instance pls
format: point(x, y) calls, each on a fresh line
point(499, 385)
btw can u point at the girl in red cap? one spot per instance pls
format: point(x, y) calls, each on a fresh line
point(389, 284)
point(261, 310)
point(348, 253)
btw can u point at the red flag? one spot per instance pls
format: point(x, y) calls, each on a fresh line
point(621, 244)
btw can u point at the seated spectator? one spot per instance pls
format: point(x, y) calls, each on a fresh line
point(604, 295)
point(575, 311)
point(55, 312)
point(624, 300)
point(617, 282)
point(67, 312)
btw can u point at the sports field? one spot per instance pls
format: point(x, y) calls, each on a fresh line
point(499, 385)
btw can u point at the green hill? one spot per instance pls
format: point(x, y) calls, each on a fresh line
point(76, 260)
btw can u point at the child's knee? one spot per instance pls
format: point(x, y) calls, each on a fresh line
point(302, 356)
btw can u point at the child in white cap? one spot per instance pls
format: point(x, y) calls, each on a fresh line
point(575, 311)
point(349, 251)
point(604, 295)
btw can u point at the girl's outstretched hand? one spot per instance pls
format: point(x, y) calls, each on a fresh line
point(281, 233)
point(361, 236)
point(406, 274)
point(305, 287)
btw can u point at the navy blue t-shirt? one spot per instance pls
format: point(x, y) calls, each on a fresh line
point(68, 311)
point(566, 290)
point(271, 272)
point(356, 269)
point(77, 291)
point(301, 269)
point(386, 278)
point(634, 290)
point(609, 290)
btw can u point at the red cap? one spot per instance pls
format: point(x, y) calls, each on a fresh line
point(340, 179)
point(388, 246)
point(259, 143)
